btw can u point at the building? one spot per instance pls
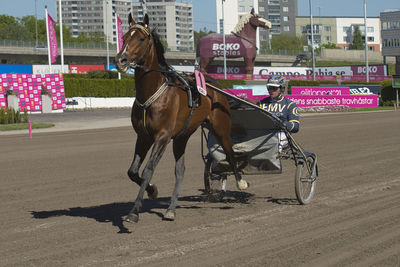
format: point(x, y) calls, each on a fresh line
point(172, 19)
point(339, 30)
point(89, 16)
point(391, 36)
point(281, 13)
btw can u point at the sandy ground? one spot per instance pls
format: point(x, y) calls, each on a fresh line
point(63, 195)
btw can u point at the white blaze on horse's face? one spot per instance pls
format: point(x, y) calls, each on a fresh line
point(266, 22)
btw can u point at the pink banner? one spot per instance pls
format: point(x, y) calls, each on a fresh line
point(52, 39)
point(374, 70)
point(354, 101)
point(3, 101)
point(29, 88)
point(119, 33)
point(319, 91)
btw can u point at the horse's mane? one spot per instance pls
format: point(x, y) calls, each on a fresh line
point(160, 51)
point(243, 21)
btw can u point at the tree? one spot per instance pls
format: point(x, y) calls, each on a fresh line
point(203, 32)
point(288, 42)
point(328, 45)
point(357, 39)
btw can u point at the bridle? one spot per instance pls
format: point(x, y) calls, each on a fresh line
point(147, 33)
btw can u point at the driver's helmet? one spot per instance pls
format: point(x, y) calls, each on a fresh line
point(277, 81)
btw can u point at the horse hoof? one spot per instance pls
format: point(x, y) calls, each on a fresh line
point(242, 184)
point(132, 218)
point(153, 192)
point(169, 215)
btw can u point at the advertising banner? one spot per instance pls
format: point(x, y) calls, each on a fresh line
point(3, 101)
point(45, 69)
point(119, 34)
point(52, 39)
point(15, 69)
point(354, 101)
point(375, 70)
point(84, 68)
point(29, 87)
point(361, 89)
point(212, 46)
point(318, 91)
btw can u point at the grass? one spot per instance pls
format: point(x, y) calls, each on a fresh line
point(23, 126)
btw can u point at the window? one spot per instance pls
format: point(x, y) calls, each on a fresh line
point(327, 28)
point(327, 38)
point(241, 8)
point(285, 9)
point(370, 38)
point(285, 18)
point(346, 29)
point(286, 28)
point(370, 29)
point(261, 9)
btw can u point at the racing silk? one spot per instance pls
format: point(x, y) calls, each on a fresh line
point(285, 109)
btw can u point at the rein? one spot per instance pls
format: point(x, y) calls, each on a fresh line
point(244, 38)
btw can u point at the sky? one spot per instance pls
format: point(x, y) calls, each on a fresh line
point(204, 11)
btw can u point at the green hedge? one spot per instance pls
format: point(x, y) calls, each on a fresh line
point(388, 93)
point(99, 87)
point(77, 86)
point(10, 116)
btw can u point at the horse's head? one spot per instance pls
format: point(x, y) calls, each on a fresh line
point(257, 21)
point(136, 46)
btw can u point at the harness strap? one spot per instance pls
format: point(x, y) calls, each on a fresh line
point(188, 119)
point(150, 101)
point(152, 98)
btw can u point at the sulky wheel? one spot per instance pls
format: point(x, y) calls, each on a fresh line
point(304, 184)
point(214, 185)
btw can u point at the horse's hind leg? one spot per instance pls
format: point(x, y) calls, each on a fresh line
point(156, 154)
point(179, 147)
point(226, 144)
point(221, 131)
point(141, 149)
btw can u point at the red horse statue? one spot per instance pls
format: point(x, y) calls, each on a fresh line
point(241, 43)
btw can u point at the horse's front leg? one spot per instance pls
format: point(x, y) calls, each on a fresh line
point(143, 145)
point(179, 147)
point(158, 150)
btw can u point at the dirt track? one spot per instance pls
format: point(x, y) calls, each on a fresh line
point(63, 195)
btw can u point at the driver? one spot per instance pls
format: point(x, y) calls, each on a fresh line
point(283, 108)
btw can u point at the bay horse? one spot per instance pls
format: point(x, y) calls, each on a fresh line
point(161, 111)
point(242, 43)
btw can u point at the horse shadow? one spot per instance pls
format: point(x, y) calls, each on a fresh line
point(114, 212)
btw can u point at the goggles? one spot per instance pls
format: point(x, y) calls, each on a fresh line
point(273, 87)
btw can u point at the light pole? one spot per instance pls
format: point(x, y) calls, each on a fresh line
point(108, 50)
point(61, 37)
point(223, 37)
point(312, 40)
point(36, 24)
point(366, 42)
